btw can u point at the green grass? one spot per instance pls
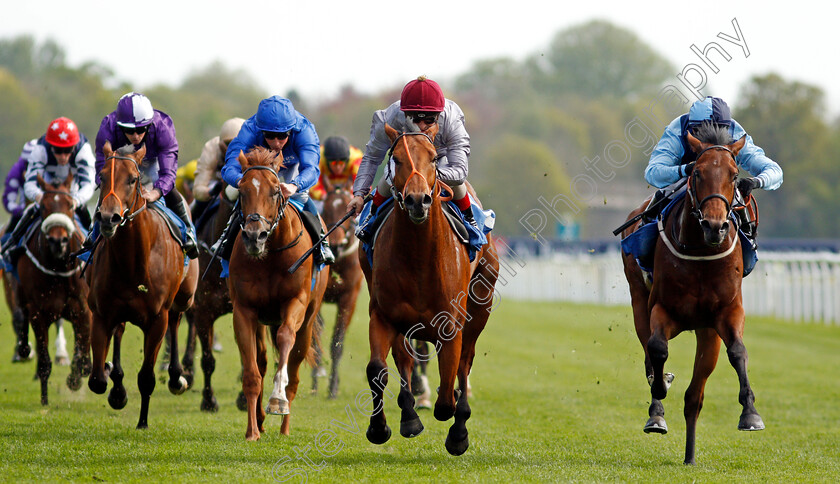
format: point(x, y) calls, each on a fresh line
point(559, 395)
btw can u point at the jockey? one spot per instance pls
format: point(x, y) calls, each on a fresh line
point(62, 150)
point(421, 105)
point(212, 159)
point(185, 179)
point(14, 200)
point(672, 159)
point(339, 164)
point(135, 122)
point(280, 128)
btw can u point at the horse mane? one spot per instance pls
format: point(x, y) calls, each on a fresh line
point(262, 156)
point(126, 150)
point(714, 134)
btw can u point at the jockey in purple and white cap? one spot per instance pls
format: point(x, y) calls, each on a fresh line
point(135, 122)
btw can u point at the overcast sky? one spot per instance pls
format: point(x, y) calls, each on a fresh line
point(318, 46)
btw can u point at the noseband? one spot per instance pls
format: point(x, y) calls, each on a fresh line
point(399, 196)
point(124, 212)
point(256, 217)
point(692, 189)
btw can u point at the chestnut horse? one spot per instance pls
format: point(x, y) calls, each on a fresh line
point(137, 274)
point(696, 285)
point(263, 292)
point(345, 280)
point(211, 302)
point(51, 284)
point(422, 285)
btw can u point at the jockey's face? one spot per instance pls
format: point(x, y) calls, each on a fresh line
point(135, 135)
point(62, 155)
point(424, 120)
point(276, 141)
point(337, 166)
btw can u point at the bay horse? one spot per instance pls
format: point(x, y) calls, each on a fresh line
point(422, 285)
point(138, 274)
point(51, 285)
point(696, 285)
point(263, 292)
point(211, 302)
point(345, 280)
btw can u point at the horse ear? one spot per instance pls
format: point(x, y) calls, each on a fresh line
point(277, 161)
point(391, 132)
point(433, 131)
point(738, 145)
point(244, 162)
point(140, 154)
point(68, 182)
point(107, 150)
point(694, 143)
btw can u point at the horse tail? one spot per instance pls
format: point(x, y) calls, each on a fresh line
point(312, 355)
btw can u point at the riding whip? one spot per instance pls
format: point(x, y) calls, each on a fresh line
point(652, 208)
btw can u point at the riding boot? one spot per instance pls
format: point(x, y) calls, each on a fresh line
point(654, 208)
point(29, 214)
point(366, 230)
point(182, 210)
point(325, 253)
point(470, 218)
point(224, 246)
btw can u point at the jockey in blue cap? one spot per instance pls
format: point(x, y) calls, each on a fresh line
point(672, 158)
point(280, 128)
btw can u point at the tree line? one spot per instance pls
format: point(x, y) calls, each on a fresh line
point(533, 122)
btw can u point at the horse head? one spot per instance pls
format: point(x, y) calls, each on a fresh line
point(260, 200)
point(711, 185)
point(120, 194)
point(58, 225)
point(415, 171)
point(335, 205)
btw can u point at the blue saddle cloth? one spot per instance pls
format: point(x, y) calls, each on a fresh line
point(300, 207)
point(641, 244)
point(174, 219)
point(484, 219)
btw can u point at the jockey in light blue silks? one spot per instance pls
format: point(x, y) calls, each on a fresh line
point(672, 158)
point(280, 128)
point(135, 122)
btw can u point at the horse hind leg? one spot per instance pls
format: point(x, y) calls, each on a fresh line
point(410, 424)
point(299, 352)
point(204, 328)
point(346, 307)
point(750, 419)
point(278, 403)
point(80, 365)
point(44, 369)
point(420, 387)
point(178, 384)
point(62, 358)
point(188, 361)
point(457, 440)
point(318, 368)
point(705, 360)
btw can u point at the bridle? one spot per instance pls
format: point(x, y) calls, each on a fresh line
point(256, 217)
point(399, 196)
point(692, 189)
point(124, 210)
point(34, 259)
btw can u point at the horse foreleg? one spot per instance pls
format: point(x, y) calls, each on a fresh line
point(410, 424)
point(41, 328)
point(100, 339)
point(188, 362)
point(262, 367)
point(732, 334)
point(457, 440)
point(380, 334)
point(657, 350)
point(245, 328)
point(203, 323)
point(177, 383)
point(449, 359)
point(21, 325)
point(299, 351)
point(705, 360)
point(62, 358)
point(153, 335)
point(80, 317)
point(117, 397)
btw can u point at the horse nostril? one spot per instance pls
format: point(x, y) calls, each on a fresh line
point(115, 219)
point(409, 201)
point(705, 224)
point(724, 227)
point(263, 236)
point(427, 201)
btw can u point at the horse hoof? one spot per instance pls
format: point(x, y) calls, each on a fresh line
point(44, 401)
point(444, 412)
point(117, 399)
point(97, 386)
point(423, 403)
point(380, 437)
point(179, 386)
point(242, 402)
point(277, 407)
point(24, 353)
point(190, 378)
point(751, 422)
point(74, 382)
point(411, 428)
point(656, 425)
point(668, 377)
point(457, 448)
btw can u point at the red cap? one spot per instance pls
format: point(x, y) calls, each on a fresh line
point(422, 94)
point(62, 133)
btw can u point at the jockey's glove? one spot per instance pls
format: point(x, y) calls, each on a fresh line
point(686, 169)
point(747, 185)
point(231, 193)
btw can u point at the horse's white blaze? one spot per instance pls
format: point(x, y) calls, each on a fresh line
point(256, 184)
point(281, 379)
point(337, 203)
point(55, 197)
